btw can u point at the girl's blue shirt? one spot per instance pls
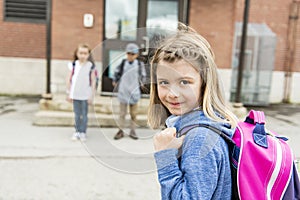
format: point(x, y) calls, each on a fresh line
point(201, 169)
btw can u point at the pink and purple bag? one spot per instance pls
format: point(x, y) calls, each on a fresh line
point(262, 163)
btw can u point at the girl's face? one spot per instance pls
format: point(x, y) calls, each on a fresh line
point(178, 86)
point(83, 54)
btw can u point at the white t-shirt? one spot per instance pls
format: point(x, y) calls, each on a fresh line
point(80, 84)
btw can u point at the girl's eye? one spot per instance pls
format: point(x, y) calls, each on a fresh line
point(163, 82)
point(184, 82)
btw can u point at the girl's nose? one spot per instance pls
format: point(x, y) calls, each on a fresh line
point(173, 92)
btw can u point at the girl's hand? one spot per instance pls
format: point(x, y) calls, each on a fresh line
point(166, 139)
point(90, 101)
point(69, 99)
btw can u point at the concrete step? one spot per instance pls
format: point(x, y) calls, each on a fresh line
point(61, 118)
point(104, 112)
point(102, 104)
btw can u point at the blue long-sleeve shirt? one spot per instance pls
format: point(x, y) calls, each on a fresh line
point(203, 169)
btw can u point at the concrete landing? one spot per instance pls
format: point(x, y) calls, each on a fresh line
point(104, 112)
point(59, 118)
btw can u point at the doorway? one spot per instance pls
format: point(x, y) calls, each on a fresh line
point(143, 22)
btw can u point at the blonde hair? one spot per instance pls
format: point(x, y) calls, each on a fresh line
point(188, 45)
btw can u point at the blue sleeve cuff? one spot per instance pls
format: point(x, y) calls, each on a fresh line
point(165, 158)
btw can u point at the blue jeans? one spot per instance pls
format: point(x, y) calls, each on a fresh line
point(80, 110)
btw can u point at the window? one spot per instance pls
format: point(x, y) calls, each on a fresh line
point(121, 19)
point(34, 11)
point(162, 17)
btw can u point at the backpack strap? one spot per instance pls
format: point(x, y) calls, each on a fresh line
point(256, 117)
point(73, 70)
point(90, 74)
point(140, 68)
point(186, 129)
point(122, 67)
point(121, 71)
point(123, 64)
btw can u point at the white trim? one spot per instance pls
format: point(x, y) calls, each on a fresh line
point(276, 169)
point(290, 175)
point(240, 155)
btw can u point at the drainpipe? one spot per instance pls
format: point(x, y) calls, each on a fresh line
point(242, 52)
point(290, 53)
point(48, 94)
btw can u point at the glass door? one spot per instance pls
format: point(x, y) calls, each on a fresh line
point(143, 22)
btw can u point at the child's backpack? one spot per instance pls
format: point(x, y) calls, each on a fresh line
point(121, 71)
point(93, 68)
point(262, 163)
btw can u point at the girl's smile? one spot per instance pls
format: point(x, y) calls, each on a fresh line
point(178, 86)
point(174, 104)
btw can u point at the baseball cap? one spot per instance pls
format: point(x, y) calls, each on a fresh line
point(132, 48)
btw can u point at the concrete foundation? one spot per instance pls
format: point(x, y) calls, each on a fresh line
point(28, 76)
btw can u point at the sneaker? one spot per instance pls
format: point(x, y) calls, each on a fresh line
point(119, 135)
point(82, 137)
point(133, 135)
point(75, 136)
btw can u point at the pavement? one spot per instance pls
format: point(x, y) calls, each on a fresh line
point(43, 163)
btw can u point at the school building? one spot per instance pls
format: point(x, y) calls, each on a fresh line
point(272, 56)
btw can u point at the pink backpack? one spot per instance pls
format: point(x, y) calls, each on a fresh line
point(262, 163)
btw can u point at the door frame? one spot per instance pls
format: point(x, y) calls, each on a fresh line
point(183, 16)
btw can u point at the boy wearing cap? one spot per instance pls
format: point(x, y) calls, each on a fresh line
point(129, 76)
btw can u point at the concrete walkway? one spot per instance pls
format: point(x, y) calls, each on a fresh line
point(43, 163)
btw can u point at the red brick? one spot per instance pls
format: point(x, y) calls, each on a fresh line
point(22, 39)
point(275, 14)
point(68, 30)
point(214, 20)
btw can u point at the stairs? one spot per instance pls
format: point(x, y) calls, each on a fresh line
point(104, 112)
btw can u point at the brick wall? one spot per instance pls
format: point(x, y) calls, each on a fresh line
point(67, 26)
point(275, 14)
point(21, 39)
point(214, 20)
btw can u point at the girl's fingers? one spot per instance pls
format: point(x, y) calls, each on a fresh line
point(166, 139)
point(170, 131)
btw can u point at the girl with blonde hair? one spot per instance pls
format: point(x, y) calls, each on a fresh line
point(185, 90)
